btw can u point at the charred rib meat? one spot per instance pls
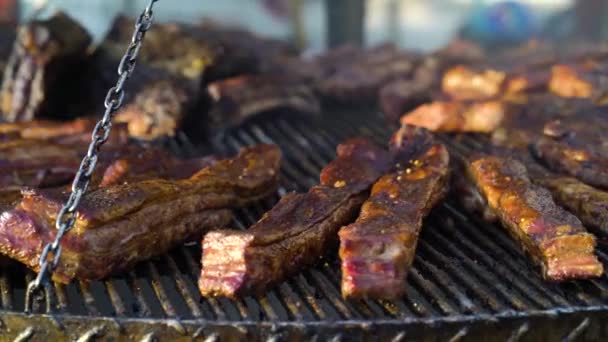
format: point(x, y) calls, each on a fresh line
point(555, 239)
point(378, 249)
point(589, 204)
point(463, 83)
point(119, 225)
point(234, 100)
point(576, 147)
point(358, 77)
point(158, 110)
point(297, 231)
point(456, 116)
point(43, 75)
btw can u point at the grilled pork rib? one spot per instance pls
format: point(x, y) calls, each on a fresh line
point(456, 116)
point(234, 100)
point(117, 226)
point(352, 75)
point(378, 249)
point(589, 204)
point(44, 71)
point(463, 83)
point(586, 80)
point(555, 239)
point(300, 228)
point(158, 110)
point(576, 147)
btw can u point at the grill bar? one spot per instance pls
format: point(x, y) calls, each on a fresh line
point(465, 271)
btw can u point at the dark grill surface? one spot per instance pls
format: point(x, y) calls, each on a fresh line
point(469, 279)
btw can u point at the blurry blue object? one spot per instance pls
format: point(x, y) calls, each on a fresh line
point(507, 22)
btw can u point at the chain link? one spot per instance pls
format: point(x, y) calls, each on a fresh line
point(101, 132)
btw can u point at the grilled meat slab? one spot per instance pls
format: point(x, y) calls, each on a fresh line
point(117, 226)
point(44, 72)
point(555, 239)
point(158, 110)
point(589, 204)
point(577, 147)
point(403, 95)
point(579, 81)
point(42, 164)
point(202, 53)
point(297, 231)
point(378, 249)
point(456, 116)
point(234, 100)
point(347, 77)
point(464, 83)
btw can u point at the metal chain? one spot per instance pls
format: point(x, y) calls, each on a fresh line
point(101, 132)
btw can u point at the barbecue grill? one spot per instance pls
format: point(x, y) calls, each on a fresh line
point(469, 279)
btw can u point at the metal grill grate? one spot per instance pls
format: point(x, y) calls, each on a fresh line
point(469, 279)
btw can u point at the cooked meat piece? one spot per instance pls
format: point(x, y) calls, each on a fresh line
point(133, 163)
point(576, 147)
point(359, 79)
point(589, 204)
point(46, 129)
point(297, 231)
point(37, 164)
point(527, 82)
point(460, 51)
point(403, 95)
point(456, 116)
point(464, 83)
point(44, 72)
point(120, 225)
point(188, 51)
point(586, 81)
point(237, 99)
point(158, 110)
point(555, 239)
point(523, 123)
point(377, 250)
point(41, 164)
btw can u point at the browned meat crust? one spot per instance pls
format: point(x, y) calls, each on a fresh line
point(576, 147)
point(158, 110)
point(585, 80)
point(356, 76)
point(234, 100)
point(555, 239)
point(589, 204)
point(464, 83)
point(378, 249)
point(44, 70)
point(294, 234)
point(402, 95)
point(456, 116)
point(117, 226)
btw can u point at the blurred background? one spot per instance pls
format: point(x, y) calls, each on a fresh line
point(317, 24)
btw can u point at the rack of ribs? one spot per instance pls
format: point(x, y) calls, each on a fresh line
point(44, 72)
point(378, 249)
point(576, 146)
point(555, 239)
point(457, 116)
point(120, 225)
point(297, 231)
point(235, 100)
